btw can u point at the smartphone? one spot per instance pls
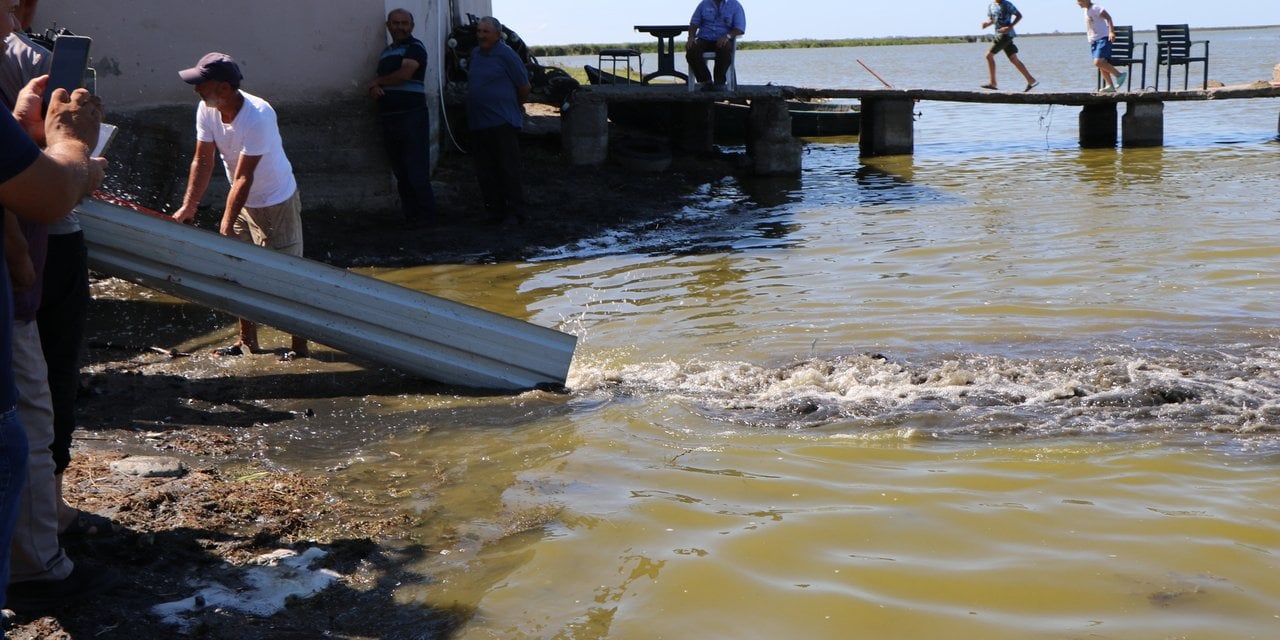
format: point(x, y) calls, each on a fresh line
point(70, 59)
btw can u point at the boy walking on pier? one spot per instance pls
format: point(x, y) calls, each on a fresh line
point(1101, 32)
point(1004, 16)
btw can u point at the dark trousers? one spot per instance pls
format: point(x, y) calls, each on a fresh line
point(724, 60)
point(407, 137)
point(496, 154)
point(64, 304)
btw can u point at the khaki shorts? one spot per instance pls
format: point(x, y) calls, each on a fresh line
point(277, 227)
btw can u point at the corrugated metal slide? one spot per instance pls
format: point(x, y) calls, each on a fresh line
point(412, 331)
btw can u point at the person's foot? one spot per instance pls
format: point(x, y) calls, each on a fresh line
point(291, 355)
point(40, 595)
point(1107, 90)
point(990, 85)
point(1121, 78)
point(236, 349)
point(1031, 85)
point(88, 525)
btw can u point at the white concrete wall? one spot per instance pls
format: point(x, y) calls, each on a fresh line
point(299, 51)
point(310, 58)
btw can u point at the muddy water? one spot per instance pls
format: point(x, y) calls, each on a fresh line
point(1004, 388)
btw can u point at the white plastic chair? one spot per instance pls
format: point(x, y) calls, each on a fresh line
point(730, 76)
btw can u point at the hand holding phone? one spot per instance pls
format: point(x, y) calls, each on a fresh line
point(70, 59)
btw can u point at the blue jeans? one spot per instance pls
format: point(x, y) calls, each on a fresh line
point(407, 137)
point(13, 472)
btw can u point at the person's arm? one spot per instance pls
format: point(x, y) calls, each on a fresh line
point(1111, 27)
point(22, 273)
point(1017, 17)
point(241, 182)
point(197, 180)
point(407, 68)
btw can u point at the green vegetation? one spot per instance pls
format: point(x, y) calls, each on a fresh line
point(652, 45)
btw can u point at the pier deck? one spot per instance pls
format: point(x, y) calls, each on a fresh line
point(887, 116)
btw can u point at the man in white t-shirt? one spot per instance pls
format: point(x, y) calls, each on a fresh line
point(262, 206)
point(1101, 32)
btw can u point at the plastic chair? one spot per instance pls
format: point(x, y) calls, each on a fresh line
point(730, 76)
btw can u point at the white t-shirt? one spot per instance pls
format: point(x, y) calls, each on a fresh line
point(1094, 23)
point(254, 132)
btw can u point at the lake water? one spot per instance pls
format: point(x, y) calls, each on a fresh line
point(1002, 389)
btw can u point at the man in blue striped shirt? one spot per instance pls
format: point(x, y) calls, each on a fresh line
point(401, 93)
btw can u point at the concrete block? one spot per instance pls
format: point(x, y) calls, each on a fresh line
point(888, 127)
point(584, 132)
point(1098, 126)
point(1142, 125)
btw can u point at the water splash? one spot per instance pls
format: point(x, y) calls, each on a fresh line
point(1126, 391)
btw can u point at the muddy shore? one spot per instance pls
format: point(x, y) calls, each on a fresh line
point(235, 502)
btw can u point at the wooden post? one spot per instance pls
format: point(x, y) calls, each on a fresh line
point(772, 149)
point(584, 132)
point(1142, 124)
point(1098, 126)
point(888, 127)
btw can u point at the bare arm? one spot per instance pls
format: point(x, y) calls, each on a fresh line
point(407, 68)
point(197, 180)
point(1111, 26)
point(240, 185)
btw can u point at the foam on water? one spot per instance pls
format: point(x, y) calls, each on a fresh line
point(1124, 391)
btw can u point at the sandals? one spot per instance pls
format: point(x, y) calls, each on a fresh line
point(89, 525)
point(988, 86)
point(236, 349)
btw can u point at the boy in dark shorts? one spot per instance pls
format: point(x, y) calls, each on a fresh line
point(1004, 16)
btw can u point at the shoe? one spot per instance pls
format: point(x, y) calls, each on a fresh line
point(89, 525)
point(988, 86)
point(41, 595)
point(289, 356)
point(1107, 90)
point(236, 349)
point(1031, 85)
point(1124, 75)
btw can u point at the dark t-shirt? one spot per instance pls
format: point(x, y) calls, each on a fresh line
point(408, 95)
point(17, 153)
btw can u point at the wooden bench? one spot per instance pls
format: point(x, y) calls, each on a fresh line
point(1173, 48)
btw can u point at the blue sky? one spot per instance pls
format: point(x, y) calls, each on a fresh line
point(574, 21)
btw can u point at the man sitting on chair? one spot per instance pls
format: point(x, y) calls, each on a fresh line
point(714, 27)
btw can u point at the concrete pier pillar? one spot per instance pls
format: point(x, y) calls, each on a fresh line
point(770, 145)
point(1142, 125)
point(888, 127)
point(584, 132)
point(1098, 126)
point(694, 130)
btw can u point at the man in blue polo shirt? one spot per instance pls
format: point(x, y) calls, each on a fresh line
point(401, 93)
point(715, 25)
point(497, 85)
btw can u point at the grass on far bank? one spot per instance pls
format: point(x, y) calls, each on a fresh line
point(652, 45)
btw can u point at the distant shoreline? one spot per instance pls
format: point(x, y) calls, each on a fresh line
point(651, 46)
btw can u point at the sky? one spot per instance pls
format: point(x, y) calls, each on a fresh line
point(545, 22)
